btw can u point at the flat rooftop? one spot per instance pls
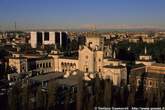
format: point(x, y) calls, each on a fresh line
point(47, 77)
point(158, 64)
point(68, 82)
point(114, 67)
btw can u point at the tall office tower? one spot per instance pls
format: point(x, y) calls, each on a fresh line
point(39, 39)
point(33, 39)
point(61, 39)
point(48, 38)
point(36, 39)
point(64, 39)
point(58, 39)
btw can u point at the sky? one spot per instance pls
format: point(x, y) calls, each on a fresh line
point(68, 14)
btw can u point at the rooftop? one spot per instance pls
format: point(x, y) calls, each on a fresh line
point(150, 60)
point(68, 82)
point(39, 58)
point(138, 65)
point(148, 75)
point(154, 75)
point(47, 77)
point(159, 64)
point(114, 67)
point(16, 57)
point(72, 57)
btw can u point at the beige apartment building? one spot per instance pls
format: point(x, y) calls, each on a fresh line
point(18, 62)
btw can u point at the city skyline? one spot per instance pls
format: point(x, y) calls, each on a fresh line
point(73, 14)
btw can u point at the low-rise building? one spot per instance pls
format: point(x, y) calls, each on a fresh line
point(114, 69)
point(19, 62)
point(150, 77)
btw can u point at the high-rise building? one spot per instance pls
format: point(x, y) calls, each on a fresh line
point(47, 38)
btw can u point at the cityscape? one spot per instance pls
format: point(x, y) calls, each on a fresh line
point(86, 55)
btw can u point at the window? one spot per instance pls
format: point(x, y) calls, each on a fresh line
point(37, 66)
point(86, 57)
point(106, 54)
point(43, 65)
point(46, 65)
point(40, 65)
point(145, 82)
point(44, 84)
point(67, 64)
point(22, 69)
point(39, 38)
point(150, 83)
point(99, 60)
point(138, 81)
point(99, 70)
point(49, 64)
point(86, 69)
point(74, 65)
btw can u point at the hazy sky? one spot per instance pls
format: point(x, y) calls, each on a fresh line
point(82, 13)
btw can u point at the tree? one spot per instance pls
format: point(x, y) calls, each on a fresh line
point(98, 91)
point(11, 69)
point(74, 45)
point(14, 97)
point(139, 95)
point(108, 93)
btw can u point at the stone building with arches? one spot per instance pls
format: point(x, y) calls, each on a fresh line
point(93, 57)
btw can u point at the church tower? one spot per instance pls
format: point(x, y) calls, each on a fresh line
point(145, 58)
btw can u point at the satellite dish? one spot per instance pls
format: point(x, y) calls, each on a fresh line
point(74, 73)
point(66, 75)
point(91, 76)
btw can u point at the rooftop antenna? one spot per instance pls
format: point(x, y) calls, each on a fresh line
point(129, 48)
point(145, 50)
point(114, 54)
point(55, 47)
point(15, 26)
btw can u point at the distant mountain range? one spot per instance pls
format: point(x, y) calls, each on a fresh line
point(97, 30)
